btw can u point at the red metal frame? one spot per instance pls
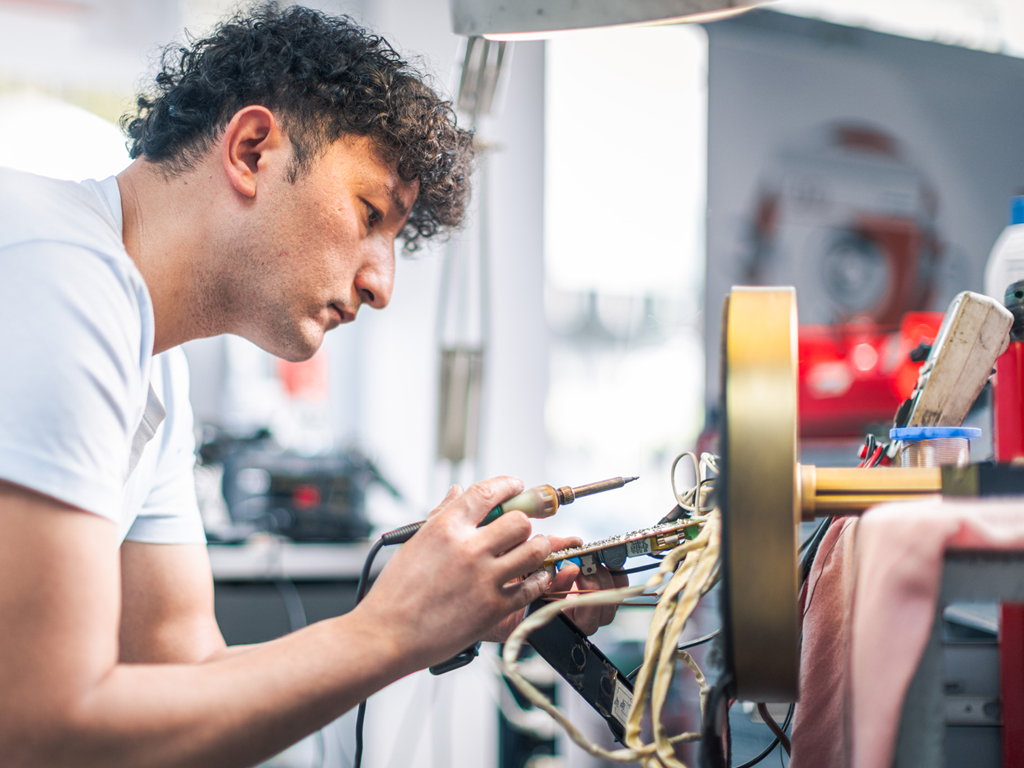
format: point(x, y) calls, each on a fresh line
point(1011, 684)
point(1008, 405)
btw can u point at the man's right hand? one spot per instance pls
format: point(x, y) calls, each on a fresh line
point(452, 582)
point(70, 700)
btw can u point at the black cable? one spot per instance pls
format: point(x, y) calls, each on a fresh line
point(364, 580)
point(810, 598)
point(806, 542)
point(807, 560)
point(628, 571)
point(682, 647)
point(357, 761)
point(699, 640)
point(775, 742)
point(397, 536)
point(716, 736)
point(364, 576)
point(773, 726)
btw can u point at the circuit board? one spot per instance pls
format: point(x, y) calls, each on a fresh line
point(615, 550)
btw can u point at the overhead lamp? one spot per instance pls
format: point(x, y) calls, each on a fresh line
point(540, 19)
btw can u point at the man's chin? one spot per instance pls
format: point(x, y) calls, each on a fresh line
point(298, 346)
point(301, 349)
point(297, 357)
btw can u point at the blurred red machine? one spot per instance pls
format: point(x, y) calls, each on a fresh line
point(856, 375)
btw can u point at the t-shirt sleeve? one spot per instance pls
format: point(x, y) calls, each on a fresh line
point(70, 354)
point(170, 512)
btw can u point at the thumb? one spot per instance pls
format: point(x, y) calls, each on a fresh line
point(529, 589)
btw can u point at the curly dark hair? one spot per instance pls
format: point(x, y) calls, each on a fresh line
point(325, 77)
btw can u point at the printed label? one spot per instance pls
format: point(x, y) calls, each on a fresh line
point(637, 548)
point(622, 702)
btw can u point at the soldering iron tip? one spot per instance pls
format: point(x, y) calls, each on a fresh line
point(629, 479)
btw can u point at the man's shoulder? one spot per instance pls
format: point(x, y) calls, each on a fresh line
point(37, 208)
point(65, 234)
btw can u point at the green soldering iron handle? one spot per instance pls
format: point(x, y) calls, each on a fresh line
point(537, 502)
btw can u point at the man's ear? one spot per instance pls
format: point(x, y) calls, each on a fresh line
point(251, 140)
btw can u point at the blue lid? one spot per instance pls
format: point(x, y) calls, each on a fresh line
point(1017, 210)
point(913, 434)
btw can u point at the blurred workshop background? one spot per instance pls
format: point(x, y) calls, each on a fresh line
point(627, 178)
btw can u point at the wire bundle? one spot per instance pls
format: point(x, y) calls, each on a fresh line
point(694, 501)
point(690, 568)
point(690, 581)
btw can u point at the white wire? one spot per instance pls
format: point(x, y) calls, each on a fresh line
point(683, 576)
point(694, 499)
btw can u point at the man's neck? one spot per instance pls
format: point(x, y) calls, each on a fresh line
point(165, 234)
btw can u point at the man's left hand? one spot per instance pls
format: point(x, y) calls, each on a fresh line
point(567, 582)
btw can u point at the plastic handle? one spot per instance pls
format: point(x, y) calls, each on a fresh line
point(537, 502)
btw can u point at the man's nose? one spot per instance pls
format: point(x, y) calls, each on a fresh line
point(376, 277)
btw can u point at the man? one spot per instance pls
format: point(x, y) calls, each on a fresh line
point(276, 163)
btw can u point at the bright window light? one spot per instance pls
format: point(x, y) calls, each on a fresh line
point(42, 134)
point(626, 118)
point(625, 170)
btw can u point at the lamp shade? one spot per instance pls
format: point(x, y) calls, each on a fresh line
point(518, 19)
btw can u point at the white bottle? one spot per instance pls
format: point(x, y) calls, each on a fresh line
point(1006, 262)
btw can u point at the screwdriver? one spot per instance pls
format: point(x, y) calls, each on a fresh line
point(538, 502)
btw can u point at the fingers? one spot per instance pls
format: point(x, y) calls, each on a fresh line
point(512, 529)
point(480, 498)
point(620, 580)
point(564, 578)
point(589, 618)
point(472, 505)
point(507, 532)
point(524, 559)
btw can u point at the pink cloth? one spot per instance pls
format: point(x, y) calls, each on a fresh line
point(819, 724)
point(862, 643)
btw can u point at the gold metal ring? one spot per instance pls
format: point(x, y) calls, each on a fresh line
point(760, 504)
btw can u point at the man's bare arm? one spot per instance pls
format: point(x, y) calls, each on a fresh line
point(167, 604)
point(69, 700)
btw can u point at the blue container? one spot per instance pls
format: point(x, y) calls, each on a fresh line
point(935, 446)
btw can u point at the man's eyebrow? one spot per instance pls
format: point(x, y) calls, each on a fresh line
point(396, 199)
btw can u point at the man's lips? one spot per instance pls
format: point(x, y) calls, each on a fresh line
point(343, 315)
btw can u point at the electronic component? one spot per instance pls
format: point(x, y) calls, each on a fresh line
point(582, 664)
point(615, 550)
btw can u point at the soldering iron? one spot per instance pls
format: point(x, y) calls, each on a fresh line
point(538, 502)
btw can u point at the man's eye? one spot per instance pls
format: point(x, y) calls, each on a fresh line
point(373, 215)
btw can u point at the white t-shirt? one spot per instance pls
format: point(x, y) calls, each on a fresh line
point(82, 398)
